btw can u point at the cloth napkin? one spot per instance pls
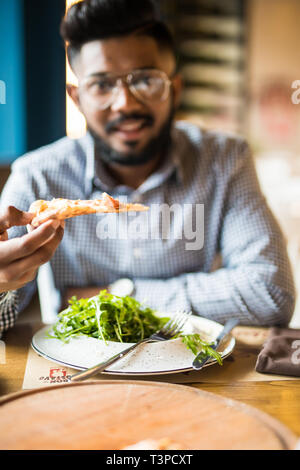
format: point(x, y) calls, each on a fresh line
point(280, 353)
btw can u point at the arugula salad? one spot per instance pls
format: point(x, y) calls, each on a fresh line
point(122, 319)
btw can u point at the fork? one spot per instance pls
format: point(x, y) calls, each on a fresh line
point(168, 331)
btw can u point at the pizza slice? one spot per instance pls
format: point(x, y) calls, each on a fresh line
point(62, 209)
point(153, 444)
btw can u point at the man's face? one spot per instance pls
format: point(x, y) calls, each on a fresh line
point(128, 126)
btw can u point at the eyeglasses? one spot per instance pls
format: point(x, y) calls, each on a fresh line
point(145, 84)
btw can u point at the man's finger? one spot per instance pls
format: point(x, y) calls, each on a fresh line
point(27, 277)
point(3, 236)
point(23, 247)
point(12, 216)
point(17, 284)
point(16, 270)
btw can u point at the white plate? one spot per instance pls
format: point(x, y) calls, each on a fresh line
point(166, 357)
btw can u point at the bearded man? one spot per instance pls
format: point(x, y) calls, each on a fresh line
point(202, 183)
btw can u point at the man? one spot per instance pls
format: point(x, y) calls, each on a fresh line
point(128, 91)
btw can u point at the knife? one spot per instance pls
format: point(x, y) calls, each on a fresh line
point(199, 362)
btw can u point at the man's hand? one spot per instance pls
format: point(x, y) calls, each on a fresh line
point(21, 257)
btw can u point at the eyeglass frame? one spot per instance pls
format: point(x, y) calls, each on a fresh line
point(124, 79)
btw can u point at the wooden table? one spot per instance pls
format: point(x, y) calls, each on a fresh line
point(278, 398)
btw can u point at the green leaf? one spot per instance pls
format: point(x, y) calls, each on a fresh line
point(198, 345)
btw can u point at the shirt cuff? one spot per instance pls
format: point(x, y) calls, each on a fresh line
point(8, 311)
point(3, 296)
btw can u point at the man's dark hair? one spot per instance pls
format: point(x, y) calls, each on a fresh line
point(89, 20)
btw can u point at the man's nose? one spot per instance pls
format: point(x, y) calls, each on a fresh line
point(124, 99)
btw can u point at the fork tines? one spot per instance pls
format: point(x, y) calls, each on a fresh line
point(176, 323)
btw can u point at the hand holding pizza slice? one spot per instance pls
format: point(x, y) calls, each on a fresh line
point(62, 209)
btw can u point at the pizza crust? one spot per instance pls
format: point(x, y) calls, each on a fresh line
point(61, 209)
point(153, 444)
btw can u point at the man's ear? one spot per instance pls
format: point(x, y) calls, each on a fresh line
point(72, 91)
point(177, 84)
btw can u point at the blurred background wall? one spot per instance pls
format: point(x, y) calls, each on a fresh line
point(32, 66)
point(12, 71)
point(239, 59)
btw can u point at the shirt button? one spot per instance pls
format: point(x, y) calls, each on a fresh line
point(137, 199)
point(137, 253)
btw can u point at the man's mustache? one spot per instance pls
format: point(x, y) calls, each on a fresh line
point(146, 118)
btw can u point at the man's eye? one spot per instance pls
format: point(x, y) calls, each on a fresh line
point(142, 81)
point(102, 86)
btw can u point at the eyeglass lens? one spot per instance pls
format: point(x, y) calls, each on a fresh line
point(144, 84)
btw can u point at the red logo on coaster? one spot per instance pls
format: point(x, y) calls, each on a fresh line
point(57, 373)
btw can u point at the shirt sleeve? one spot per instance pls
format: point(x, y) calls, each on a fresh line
point(8, 312)
point(254, 283)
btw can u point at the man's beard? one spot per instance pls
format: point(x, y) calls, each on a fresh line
point(157, 145)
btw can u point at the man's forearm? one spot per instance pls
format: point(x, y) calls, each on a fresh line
point(243, 293)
